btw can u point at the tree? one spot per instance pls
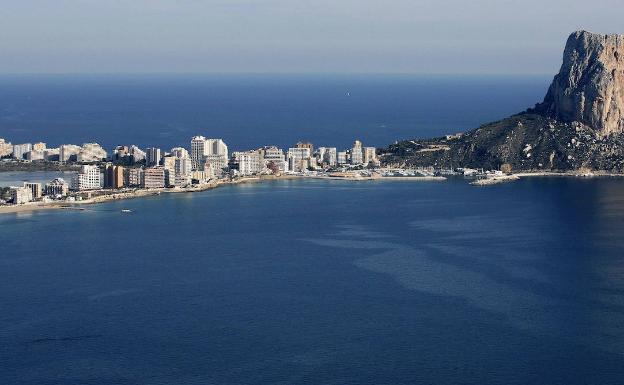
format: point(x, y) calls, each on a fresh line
point(273, 167)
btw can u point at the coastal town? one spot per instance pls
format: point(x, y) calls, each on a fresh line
point(129, 171)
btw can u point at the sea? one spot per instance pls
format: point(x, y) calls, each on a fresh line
point(309, 281)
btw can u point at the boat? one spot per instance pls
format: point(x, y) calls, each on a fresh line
point(126, 211)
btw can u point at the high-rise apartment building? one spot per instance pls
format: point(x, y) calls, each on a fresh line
point(249, 162)
point(20, 195)
point(69, 152)
point(6, 148)
point(153, 156)
point(20, 150)
point(370, 155)
point(88, 178)
point(357, 154)
point(327, 155)
point(154, 177)
point(273, 155)
point(342, 158)
point(299, 158)
point(91, 152)
point(35, 189)
point(134, 177)
point(40, 146)
point(213, 152)
point(114, 176)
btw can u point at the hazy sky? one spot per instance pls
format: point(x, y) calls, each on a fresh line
point(405, 36)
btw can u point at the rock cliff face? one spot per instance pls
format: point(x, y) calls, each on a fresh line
point(590, 85)
point(580, 123)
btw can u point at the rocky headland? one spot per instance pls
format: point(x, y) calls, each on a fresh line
point(579, 125)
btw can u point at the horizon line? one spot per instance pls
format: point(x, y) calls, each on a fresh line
point(282, 73)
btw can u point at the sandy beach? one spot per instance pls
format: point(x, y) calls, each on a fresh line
point(136, 193)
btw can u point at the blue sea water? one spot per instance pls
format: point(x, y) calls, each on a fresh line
point(321, 282)
point(17, 178)
point(303, 281)
point(249, 111)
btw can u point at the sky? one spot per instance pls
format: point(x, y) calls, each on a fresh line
point(295, 36)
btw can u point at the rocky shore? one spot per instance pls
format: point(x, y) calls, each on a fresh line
point(579, 125)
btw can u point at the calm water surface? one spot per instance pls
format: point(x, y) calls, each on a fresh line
point(249, 111)
point(321, 282)
point(17, 178)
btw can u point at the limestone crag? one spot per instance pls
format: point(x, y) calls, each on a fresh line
point(589, 88)
point(579, 125)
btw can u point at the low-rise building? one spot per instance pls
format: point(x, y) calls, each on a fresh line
point(56, 187)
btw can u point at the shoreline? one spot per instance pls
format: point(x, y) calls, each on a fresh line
point(140, 193)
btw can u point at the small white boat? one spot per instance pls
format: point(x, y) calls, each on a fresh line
point(126, 211)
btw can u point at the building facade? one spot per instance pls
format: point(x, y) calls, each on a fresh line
point(342, 158)
point(273, 155)
point(154, 177)
point(134, 177)
point(6, 148)
point(114, 177)
point(211, 151)
point(298, 158)
point(57, 187)
point(39, 146)
point(35, 189)
point(69, 152)
point(249, 162)
point(152, 156)
point(357, 154)
point(20, 195)
point(370, 155)
point(20, 150)
point(91, 152)
point(88, 178)
point(328, 156)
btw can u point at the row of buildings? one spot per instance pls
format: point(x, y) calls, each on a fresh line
point(87, 153)
point(132, 167)
point(302, 157)
point(31, 191)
